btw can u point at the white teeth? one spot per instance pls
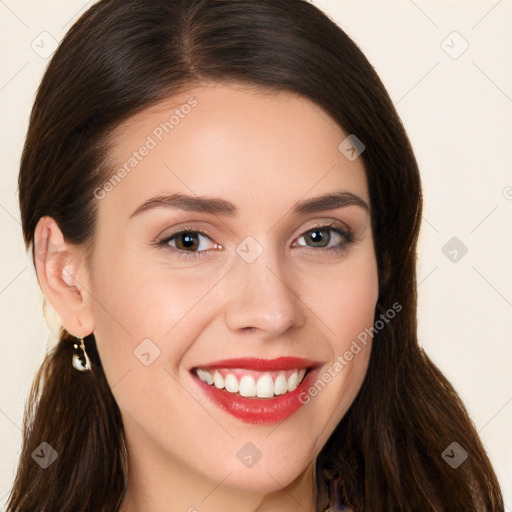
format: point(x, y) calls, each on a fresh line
point(205, 376)
point(218, 380)
point(231, 383)
point(265, 387)
point(280, 384)
point(247, 386)
point(292, 381)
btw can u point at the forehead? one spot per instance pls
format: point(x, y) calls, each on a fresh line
point(255, 148)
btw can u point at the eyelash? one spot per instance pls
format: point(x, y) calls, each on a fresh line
point(347, 235)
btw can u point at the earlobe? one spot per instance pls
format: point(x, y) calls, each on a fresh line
point(63, 277)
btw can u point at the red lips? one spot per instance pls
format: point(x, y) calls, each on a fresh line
point(254, 363)
point(260, 411)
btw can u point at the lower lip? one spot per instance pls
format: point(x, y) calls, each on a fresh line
point(259, 411)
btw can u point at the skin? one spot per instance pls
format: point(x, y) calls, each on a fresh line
point(262, 152)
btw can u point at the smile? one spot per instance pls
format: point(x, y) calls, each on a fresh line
point(250, 383)
point(258, 391)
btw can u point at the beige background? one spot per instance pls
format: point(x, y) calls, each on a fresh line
point(456, 106)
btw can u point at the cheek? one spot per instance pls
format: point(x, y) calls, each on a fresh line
point(353, 307)
point(141, 309)
point(353, 314)
point(344, 299)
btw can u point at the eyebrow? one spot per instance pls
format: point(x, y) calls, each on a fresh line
point(218, 206)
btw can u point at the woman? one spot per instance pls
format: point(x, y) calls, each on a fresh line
point(224, 209)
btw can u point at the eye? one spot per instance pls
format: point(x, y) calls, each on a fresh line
point(321, 236)
point(188, 243)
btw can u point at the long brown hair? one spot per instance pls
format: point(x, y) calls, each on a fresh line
point(123, 56)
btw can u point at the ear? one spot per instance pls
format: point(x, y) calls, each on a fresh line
point(63, 277)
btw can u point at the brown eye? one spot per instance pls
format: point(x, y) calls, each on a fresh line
point(188, 241)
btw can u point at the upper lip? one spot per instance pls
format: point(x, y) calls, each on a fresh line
point(255, 363)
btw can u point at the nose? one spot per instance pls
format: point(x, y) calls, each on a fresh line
point(263, 298)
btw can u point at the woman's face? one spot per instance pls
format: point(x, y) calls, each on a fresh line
point(254, 277)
